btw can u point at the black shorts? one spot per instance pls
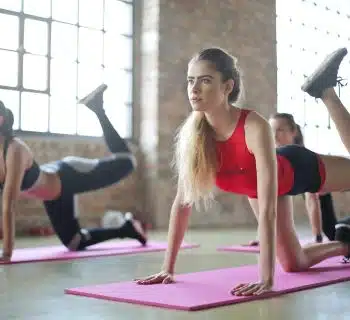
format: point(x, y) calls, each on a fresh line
point(309, 172)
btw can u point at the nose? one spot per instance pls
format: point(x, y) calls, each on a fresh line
point(195, 87)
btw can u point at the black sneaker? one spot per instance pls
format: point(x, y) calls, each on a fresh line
point(135, 229)
point(94, 100)
point(342, 234)
point(325, 76)
point(319, 238)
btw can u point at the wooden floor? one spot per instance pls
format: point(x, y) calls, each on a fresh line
point(35, 290)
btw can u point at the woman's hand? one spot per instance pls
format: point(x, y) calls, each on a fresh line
point(252, 289)
point(161, 277)
point(252, 243)
point(5, 258)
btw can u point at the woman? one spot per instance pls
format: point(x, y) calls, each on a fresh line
point(319, 207)
point(235, 149)
point(58, 182)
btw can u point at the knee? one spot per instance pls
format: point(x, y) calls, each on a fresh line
point(293, 266)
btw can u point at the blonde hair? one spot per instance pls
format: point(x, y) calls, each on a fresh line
point(195, 145)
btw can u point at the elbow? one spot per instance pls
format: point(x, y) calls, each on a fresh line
point(269, 213)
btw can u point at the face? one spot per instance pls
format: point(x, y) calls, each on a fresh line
point(205, 88)
point(283, 132)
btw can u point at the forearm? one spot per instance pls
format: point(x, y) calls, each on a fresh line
point(8, 232)
point(267, 238)
point(177, 227)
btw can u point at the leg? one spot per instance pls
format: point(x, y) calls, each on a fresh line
point(290, 254)
point(320, 85)
point(81, 175)
point(339, 115)
point(94, 101)
point(61, 213)
point(329, 219)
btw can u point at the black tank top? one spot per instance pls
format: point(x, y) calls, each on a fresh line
point(30, 176)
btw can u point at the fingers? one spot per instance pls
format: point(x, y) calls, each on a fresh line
point(260, 291)
point(145, 279)
point(249, 289)
point(241, 289)
point(154, 279)
point(238, 286)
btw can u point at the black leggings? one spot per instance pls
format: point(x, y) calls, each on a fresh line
point(329, 219)
point(80, 175)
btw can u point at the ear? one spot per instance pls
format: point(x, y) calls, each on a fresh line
point(229, 85)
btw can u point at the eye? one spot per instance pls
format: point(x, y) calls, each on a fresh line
point(206, 81)
point(189, 81)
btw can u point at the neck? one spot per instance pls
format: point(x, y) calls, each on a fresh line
point(223, 121)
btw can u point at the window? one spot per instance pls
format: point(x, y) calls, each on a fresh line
point(54, 52)
point(306, 32)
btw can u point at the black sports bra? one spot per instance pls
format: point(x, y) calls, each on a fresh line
point(30, 176)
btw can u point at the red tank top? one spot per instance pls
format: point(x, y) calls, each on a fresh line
point(237, 169)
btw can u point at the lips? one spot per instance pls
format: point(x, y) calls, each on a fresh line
point(195, 99)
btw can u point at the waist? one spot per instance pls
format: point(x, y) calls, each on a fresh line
point(245, 181)
point(46, 187)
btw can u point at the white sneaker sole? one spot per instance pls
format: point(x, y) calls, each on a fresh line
point(101, 88)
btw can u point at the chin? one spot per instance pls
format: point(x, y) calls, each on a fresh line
point(198, 107)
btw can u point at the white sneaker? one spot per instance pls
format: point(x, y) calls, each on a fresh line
point(94, 100)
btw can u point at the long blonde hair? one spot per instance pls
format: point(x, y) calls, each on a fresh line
point(195, 146)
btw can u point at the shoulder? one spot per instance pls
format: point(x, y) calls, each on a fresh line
point(255, 122)
point(19, 150)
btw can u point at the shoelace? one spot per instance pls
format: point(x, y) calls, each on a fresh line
point(341, 82)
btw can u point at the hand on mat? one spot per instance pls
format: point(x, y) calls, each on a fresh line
point(161, 277)
point(251, 289)
point(5, 258)
point(252, 243)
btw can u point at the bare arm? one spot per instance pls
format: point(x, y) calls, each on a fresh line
point(261, 143)
point(15, 167)
point(314, 212)
point(177, 227)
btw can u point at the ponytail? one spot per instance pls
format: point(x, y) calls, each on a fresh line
point(6, 127)
point(299, 138)
point(195, 159)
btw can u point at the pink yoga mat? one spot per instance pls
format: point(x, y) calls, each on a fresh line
point(251, 249)
point(203, 290)
point(102, 249)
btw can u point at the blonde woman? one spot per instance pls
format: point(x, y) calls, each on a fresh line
point(234, 149)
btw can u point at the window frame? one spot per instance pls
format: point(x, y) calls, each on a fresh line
point(19, 88)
